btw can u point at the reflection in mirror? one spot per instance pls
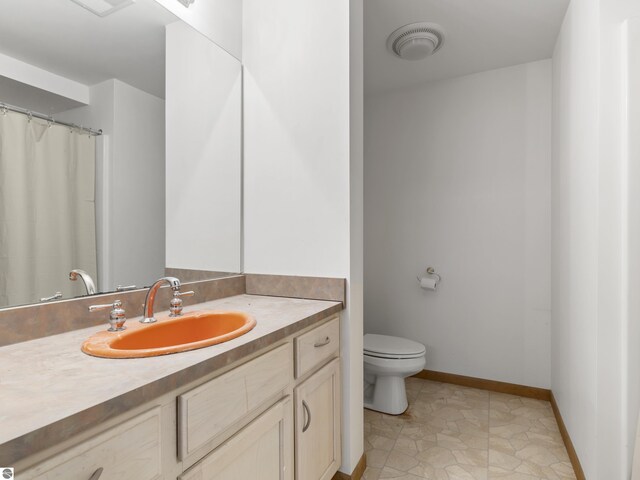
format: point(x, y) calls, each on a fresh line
point(82, 207)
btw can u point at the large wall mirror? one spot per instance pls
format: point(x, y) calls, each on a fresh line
point(120, 149)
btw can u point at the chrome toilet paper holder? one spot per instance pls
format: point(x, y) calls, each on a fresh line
point(432, 272)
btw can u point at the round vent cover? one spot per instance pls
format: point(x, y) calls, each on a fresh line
point(416, 41)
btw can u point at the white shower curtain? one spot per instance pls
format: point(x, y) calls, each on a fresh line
point(47, 209)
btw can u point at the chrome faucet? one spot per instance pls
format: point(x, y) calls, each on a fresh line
point(86, 278)
point(173, 282)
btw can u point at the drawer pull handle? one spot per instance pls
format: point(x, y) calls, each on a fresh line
point(308, 412)
point(97, 474)
point(326, 341)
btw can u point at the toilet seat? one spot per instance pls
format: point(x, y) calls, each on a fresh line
point(391, 356)
point(385, 346)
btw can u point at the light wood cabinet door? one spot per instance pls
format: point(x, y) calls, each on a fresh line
point(318, 421)
point(263, 450)
point(129, 451)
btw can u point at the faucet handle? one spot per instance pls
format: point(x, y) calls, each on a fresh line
point(117, 316)
point(176, 302)
point(125, 288)
point(55, 296)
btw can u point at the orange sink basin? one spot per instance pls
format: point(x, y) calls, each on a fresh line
point(169, 335)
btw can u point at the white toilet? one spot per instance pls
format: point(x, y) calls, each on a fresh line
point(387, 362)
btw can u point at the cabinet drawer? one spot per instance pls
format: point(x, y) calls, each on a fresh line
point(261, 450)
point(316, 346)
point(208, 410)
point(130, 451)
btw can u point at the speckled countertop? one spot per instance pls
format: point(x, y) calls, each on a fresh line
point(50, 390)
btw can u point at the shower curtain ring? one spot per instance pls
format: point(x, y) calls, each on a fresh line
point(30, 115)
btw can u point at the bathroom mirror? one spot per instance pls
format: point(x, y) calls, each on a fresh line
point(120, 151)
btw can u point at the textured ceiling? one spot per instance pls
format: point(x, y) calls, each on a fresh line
point(480, 35)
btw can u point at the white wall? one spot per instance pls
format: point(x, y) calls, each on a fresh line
point(595, 243)
point(631, 278)
point(204, 148)
point(296, 130)
point(44, 80)
point(131, 237)
point(137, 187)
point(618, 369)
point(219, 20)
point(457, 177)
point(299, 216)
point(574, 228)
point(353, 331)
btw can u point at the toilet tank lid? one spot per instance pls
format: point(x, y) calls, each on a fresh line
point(386, 344)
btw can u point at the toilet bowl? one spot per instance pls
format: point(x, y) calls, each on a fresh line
point(387, 362)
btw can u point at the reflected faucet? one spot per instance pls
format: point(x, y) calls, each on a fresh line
point(86, 278)
point(173, 282)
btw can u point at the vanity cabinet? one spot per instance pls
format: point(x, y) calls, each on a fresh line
point(262, 450)
point(129, 451)
point(318, 421)
point(316, 347)
point(212, 411)
point(275, 416)
point(318, 402)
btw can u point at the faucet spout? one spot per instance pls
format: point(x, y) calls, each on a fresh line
point(149, 301)
point(89, 284)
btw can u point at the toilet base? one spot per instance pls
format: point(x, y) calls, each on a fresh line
point(388, 395)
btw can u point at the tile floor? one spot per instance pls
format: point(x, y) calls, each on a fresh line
point(459, 433)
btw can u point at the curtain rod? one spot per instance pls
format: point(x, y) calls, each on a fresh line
point(5, 107)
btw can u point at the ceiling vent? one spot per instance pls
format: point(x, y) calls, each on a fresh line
point(102, 8)
point(416, 41)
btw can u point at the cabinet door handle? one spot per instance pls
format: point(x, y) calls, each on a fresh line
point(96, 475)
point(326, 341)
point(308, 412)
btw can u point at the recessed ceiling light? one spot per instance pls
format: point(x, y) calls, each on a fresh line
point(102, 8)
